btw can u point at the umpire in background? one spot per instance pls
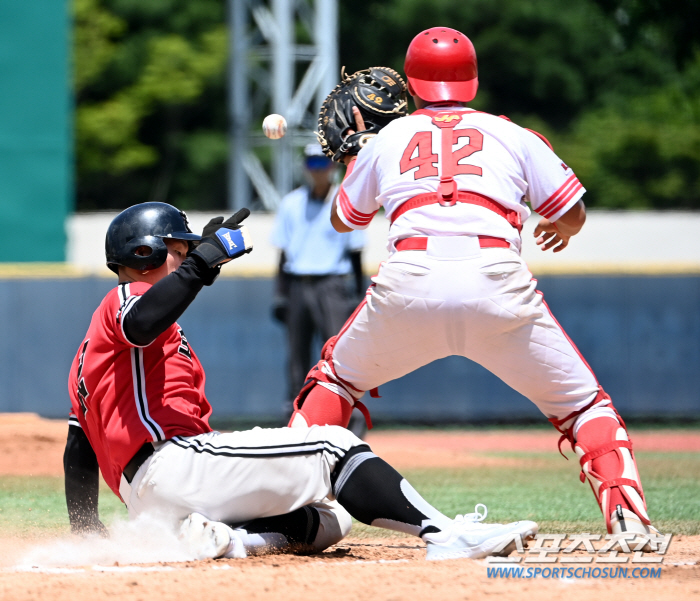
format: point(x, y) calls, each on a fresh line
point(319, 280)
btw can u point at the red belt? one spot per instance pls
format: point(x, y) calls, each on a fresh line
point(429, 198)
point(421, 243)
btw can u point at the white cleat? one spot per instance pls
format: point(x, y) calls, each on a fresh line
point(623, 520)
point(208, 539)
point(470, 538)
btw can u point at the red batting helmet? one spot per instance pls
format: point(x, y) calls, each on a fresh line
point(441, 65)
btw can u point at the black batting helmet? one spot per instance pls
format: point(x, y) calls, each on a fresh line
point(146, 225)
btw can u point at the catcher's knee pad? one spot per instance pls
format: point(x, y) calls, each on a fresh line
point(325, 400)
point(604, 449)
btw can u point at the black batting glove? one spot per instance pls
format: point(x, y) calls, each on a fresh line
point(223, 241)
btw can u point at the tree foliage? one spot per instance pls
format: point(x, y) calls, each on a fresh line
point(642, 151)
point(150, 117)
point(614, 83)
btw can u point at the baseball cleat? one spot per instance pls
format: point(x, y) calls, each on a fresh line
point(623, 520)
point(208, 539)
point(470, 538)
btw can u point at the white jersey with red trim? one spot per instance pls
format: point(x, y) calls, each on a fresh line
point(492, 157)
point(451, 180)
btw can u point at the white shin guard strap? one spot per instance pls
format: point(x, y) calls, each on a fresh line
point(625, 478)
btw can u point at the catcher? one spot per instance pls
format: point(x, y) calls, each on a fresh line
point(454, 183)
point(139, 412)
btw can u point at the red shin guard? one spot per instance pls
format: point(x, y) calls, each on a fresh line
point(326, 400)
point(322, 407)
point(607, 460)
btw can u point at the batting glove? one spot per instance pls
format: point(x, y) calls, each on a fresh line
point(223, 241)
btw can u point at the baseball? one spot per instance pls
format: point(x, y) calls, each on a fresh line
point(274, 126)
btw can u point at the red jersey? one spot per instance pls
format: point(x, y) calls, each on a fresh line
point(125, 395)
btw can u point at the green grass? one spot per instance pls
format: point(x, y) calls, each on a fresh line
point(31, 506)
point(538, 486)
point(546, 488)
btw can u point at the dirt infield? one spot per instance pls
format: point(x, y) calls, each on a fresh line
point(362, 569)
point(30, 445)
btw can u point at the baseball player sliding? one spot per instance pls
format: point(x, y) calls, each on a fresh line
point(139, 412)
point(454, 183)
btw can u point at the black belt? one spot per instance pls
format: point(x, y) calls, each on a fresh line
point(137, 461)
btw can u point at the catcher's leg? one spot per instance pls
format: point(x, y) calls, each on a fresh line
point(600, 439)
point(325, 399)
point(376, 345)
point(542, 363)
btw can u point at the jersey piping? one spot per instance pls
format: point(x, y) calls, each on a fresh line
point(139, 379)
point(126, 302)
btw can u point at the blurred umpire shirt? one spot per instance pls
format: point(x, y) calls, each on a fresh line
point(319, 282)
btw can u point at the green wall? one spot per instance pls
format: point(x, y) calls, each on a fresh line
point(36, 187)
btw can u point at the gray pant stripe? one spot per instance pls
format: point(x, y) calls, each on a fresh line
point(349, 468)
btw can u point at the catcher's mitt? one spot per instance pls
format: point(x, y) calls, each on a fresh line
point(379, 93)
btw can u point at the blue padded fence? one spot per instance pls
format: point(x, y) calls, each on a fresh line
point(641, 335)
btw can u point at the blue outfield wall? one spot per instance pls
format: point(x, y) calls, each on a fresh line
point(641, 335)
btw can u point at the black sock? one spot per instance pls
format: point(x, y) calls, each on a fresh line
point(300, 527)
point(374, 493)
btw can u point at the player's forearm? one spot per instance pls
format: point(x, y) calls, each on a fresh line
point(337, 223)
point(81, 482)
point(165, 302)
point(571, 222)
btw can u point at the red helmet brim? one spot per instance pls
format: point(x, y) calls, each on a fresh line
point(440, 91)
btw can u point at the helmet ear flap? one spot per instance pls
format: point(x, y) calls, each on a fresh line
point(157, 256)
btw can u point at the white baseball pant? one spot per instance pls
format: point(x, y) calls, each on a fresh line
point(240, 476)
point(456, 298)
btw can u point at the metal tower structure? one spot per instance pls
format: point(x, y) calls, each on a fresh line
point(283, 55)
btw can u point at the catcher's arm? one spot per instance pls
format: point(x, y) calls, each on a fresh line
point(336, 221)
point(556, 234)
point(377, 93)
